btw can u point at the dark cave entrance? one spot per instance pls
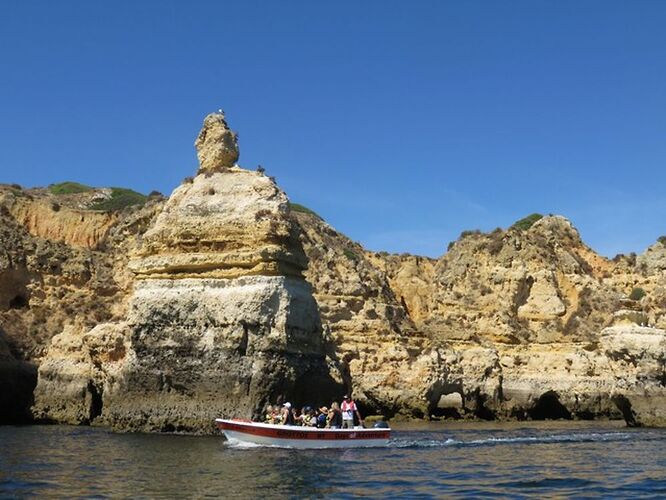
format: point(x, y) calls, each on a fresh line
point(624, 405)
point(548, 407)
point(18, 302)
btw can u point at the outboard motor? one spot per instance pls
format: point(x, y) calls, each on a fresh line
point(381, 425)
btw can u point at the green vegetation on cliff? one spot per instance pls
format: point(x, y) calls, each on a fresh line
point(525, 223)
point(296, 207)
point(68, 187)
point(637, 293)
point(120, 198)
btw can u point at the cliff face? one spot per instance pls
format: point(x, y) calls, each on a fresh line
point(387, 362)
point(220, 319)
point(222, 299)
point(512, 324)
point(56, 278)
point(536, 324)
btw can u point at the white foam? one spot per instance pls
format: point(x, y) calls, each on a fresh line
point(552, 438)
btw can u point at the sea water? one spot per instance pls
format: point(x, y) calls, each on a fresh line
point(444, 460)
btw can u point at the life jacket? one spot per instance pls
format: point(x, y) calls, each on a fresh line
point(348, 409)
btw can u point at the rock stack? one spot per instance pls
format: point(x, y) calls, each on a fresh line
point(221, 320)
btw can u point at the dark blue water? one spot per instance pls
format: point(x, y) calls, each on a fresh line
point(599, 460)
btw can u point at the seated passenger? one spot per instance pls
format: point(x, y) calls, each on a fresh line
point(287, 417)
point(305, 417)
point(322, 417)
point(268, 417)
point(335, 416)
point(310, 418)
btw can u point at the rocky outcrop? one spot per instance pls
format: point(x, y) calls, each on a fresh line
point(386, 361)
point(223, 299)
point(216, 144)
point(48, 220)
point(220, 322)
point(531, 309)
point(48, 283)
point(222, 225)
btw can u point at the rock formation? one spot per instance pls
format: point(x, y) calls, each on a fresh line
point(220, 320)
point(223, 299)
point(217, 145)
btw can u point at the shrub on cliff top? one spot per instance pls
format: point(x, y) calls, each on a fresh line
point(120, 198)
point(297, 207)
point(350, 254)
point(662, 240)
point(469, 232)
point(69, 187)
point(637, 293)
point(525, 223)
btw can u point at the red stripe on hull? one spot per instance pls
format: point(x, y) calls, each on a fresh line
point(290, 432)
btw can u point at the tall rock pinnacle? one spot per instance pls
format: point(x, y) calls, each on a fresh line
point(217, 145)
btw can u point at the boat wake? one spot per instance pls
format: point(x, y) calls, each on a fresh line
point(244, 445)
point(399, 442)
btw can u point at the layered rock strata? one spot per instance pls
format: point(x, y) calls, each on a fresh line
point(220, 322)
point(532, 310)
point(164, 317)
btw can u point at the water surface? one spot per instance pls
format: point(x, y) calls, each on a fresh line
point(517, 460)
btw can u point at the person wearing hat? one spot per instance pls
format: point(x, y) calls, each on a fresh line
point(287, 415)
point(348, 409)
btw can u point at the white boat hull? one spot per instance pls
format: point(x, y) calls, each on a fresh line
point(252, 433)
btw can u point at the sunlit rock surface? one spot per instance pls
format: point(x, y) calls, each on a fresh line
point(223, 299)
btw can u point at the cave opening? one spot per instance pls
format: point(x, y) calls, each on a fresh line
point(452, 413)
point(548, 407)
point(20, 301)
point(624, 405)
point(96, 402)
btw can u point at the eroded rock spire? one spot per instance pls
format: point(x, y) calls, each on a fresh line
point(217, 144)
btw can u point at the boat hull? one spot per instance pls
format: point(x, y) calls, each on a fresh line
point(242, 432)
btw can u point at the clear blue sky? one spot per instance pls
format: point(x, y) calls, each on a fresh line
point(401, 123)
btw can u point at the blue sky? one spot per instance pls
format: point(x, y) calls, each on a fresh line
point(401, 123)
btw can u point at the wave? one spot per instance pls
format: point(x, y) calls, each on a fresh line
point(491, 441)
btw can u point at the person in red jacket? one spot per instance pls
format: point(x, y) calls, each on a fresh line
point(348, 408)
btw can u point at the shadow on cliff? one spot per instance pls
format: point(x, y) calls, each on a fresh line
point(318, 374)
point(18, 379)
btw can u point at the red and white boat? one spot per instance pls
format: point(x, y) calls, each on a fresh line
point(287, 436)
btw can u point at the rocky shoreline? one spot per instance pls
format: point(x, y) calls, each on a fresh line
point(225, 297)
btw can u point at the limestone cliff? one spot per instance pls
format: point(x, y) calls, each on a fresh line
point(220, 321)
point(387, 362)
point(533, 311)
point(223, 299)
point(70, 276)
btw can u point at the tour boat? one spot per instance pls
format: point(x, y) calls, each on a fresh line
point(287, 436)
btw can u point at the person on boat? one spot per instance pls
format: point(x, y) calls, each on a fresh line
point(268, 417)
point(308, 418)
point(335, 416)
point(322, 417)
point(301, 416)
point(349, 409)
point(287, 415)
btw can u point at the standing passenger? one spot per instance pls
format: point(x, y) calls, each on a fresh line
point(287, 415)
point(348, 410)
